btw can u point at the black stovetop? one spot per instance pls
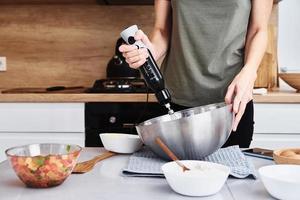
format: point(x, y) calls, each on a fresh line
point(119, 86)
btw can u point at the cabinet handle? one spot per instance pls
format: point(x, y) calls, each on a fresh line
point(128, 125)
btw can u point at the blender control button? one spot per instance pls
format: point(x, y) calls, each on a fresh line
point(131, 40)
point(150, 75)
point(148, 67)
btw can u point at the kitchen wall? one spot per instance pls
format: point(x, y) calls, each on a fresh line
point(288, 38)
point(70, 44)
point(48, 45)
point(48, 1)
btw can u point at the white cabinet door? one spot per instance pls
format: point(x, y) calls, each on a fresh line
point(27, 123)
point(41, 117)
point(275, 141)
point(276, 125)
point(10, 139)
point(277, 118)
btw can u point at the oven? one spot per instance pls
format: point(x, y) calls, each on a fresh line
point(116, 118)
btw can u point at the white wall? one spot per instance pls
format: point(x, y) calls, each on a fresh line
point(289, 34)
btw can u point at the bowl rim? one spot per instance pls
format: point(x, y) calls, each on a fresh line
point(288, 73)
point(31, 144)
point(184, 113)
point(276, 178)
point(124, 135)
point(198, 161)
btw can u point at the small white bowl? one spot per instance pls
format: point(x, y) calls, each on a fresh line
point(281, 181)
point(204, 178)
point(121, 142)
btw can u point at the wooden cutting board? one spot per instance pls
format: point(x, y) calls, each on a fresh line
point(267, 75)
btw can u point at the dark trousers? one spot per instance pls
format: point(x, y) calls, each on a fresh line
point(243, 135)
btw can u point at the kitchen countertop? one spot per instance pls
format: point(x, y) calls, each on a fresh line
point(105, 181)
point(75, 97)
point(276, 96)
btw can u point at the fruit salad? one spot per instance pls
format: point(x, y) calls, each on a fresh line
point(44, 170)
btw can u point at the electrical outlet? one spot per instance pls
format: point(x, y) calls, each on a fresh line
point(3, 64)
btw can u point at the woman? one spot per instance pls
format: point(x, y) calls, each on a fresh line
point(211, 50)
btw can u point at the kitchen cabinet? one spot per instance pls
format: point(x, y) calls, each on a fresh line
point(23, 123)
point(276, 125)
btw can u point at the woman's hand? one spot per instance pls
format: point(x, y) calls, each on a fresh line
point(240, 92)
point(136, 57)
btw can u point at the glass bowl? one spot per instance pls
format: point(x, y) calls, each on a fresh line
point(43, 165)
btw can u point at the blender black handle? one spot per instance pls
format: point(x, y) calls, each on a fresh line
point(149, 69)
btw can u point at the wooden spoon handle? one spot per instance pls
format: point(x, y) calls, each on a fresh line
point(170, 153)
point(103, 156)
point(165, 149)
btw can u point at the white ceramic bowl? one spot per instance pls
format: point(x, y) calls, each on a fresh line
point(204, 178)
point(281, 181)
point(121, 142)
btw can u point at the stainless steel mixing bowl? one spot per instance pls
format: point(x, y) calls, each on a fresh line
point(192, 133)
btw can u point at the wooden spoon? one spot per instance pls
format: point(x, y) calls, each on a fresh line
point(170, 154)
point(87, 166)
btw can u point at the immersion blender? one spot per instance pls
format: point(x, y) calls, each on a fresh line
point(149, 70)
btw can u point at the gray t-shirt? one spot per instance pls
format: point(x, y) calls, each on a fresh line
point(206, 49)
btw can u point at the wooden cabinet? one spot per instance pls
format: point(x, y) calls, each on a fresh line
point(25, 123)
point(276, 125)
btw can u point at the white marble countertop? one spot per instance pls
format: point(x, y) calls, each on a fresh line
point(105, 182)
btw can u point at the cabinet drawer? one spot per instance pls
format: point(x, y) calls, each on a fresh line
point(277, 118)
point(41, 117)
point(275, 141)
point(119, 115)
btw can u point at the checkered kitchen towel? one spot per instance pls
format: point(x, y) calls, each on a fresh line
point(145, 163)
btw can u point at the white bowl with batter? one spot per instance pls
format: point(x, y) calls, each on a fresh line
point(203, 178)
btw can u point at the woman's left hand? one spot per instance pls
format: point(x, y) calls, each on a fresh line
point(240, 92)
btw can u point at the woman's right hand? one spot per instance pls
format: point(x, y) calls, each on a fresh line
point(137, 57)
